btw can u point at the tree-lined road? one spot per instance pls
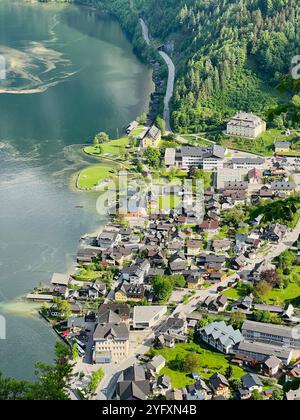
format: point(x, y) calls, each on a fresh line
point(171, 76)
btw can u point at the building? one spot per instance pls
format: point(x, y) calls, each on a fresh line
point(247, 163)
point(193, 246)
point(120, 309)
point(246, 125)
point(60, 279)
point(293, 395)
point(145, 317)
point(132, 126)
point(220, 336)
point(279, 335)
point(220, 386)
point(194, 282)
point(132, 384)
point(282, 147)
point(286, 187)
point(130, 292)
point(157, 364)
point(272, 365)
point(108, 239)
point(225, 175)
point(209, 158)
point(255, 176)
point(111, 343)
point(252, 382)
point(151, 138)
point(261, 351)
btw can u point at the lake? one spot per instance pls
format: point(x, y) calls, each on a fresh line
point(70, 73)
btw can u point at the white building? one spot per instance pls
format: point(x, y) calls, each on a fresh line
point(209, 158)
point(246, 125)
point(145, 317)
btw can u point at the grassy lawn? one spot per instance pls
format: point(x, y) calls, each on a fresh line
point(113, 147)
point(263, 145)
point(137, 131)
point(87, 275)
point(169, 202)
point(199, 141)
point(91, 176)
point(209, 363)
point(236, 292)
point(280, 297)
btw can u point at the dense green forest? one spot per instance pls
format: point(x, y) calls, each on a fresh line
point(230, 55)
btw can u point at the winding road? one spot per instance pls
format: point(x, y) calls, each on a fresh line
point(171, 77)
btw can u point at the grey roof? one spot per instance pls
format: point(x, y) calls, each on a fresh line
point(264, 349)
point(260, 327)
point(226, 334)
point(201, 152)
point(245, 119)
point(111, 331)
point(251, 380)
point(283, 185)
point(109, 317)
point(133, 390)
point(282, 144)
point(218, 379)
point(62, 279)
point(250, 161)
point(121, 309)
point(154, 132)
point(133, 373)
point(157, 361)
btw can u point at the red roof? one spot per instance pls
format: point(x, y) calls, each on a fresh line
point(255, 173)
point(209, 225)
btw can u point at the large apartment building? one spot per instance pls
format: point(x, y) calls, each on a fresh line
point(278, 335)
point(111, 343)
point(209, 158)
point(246, 125)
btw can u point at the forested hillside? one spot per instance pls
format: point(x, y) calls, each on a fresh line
point(230, 54)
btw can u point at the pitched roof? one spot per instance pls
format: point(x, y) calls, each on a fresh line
point(251, 380)
point(111, 331)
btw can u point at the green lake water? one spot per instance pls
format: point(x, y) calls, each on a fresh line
point(71, 73)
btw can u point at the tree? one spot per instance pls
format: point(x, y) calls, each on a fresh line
point(191, 362)
point(94, 383)
point(75, 353)
point(52, 381)
point(101, 138)
point(162, 288)
point(256, 396)
point(277, 395)
point(142, 119)
point(262, 288)
point(64, 308)
point(161, 124)
point(152, 157)
point(271, 277)
point(229, 372)
point(238, 318)
point(178, 280)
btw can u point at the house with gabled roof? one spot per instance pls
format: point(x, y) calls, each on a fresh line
point(220, 336)
point(132, 384)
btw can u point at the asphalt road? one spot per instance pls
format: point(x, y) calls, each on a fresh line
point(171, 77)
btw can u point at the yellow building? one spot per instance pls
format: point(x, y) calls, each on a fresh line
point(129, 292)
point(152, 138)
point(111, 343)
point(194, 282)
point(282, 147)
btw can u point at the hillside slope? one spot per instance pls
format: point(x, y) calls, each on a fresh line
point(230, 55)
